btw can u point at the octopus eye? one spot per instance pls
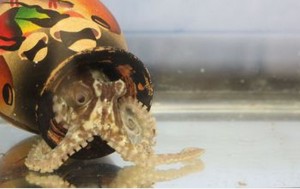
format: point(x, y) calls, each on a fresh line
point(7, 93)
point(132, 127)
point(81, 99)
point(137, 123)
point(81, 94)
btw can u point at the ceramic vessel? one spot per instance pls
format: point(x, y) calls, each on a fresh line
point(45, 45)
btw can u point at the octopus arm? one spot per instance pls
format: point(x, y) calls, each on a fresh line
point(124, 123)
point(45, 160)
point(135, 138)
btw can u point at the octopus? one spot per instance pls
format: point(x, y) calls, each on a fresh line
point(93, 106)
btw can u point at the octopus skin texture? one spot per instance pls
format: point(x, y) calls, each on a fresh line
point(100, 108)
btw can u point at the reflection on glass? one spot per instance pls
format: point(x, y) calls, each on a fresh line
point(93, 173)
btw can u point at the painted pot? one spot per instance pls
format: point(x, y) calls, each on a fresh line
point(45, 45)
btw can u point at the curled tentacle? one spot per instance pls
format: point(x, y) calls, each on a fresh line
point(44, 159)
point(134, 138)
point(137, 123)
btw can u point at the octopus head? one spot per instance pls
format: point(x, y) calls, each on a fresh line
point(86, 99)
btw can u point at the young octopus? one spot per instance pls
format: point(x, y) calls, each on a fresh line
point(101, 108)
